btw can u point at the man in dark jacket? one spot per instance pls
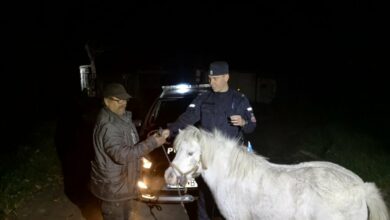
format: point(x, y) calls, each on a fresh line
point(222, 108)
point(118, 152)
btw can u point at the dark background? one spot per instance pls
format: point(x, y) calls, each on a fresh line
point(325, 51)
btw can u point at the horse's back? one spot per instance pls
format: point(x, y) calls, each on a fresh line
point(321, 171)
point(327, 179)
point(323, 190)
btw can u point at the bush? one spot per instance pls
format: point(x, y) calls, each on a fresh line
point(31, 168)
point(365, 155)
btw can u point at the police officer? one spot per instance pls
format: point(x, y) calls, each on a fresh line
point(222, 108)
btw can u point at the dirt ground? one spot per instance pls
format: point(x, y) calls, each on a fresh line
point(53, 204)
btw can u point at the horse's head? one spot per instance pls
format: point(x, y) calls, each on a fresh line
point(187, 162)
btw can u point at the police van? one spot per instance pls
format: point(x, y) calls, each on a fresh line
point(172, 101)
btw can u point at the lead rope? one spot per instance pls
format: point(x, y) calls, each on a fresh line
point(151, 206)
point(178, 189)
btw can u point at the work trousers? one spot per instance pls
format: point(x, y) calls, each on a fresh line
point(116, 210)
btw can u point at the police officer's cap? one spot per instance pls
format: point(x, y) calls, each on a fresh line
point(219, 68)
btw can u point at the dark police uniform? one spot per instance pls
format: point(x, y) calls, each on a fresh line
point(213, 111)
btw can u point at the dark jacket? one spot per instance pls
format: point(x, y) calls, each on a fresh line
point(116, 166)
point(213, 110)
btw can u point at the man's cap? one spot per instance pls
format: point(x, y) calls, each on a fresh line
point(115, 90)
point(218, 68)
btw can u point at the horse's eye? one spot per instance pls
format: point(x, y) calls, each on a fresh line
point(190, 153)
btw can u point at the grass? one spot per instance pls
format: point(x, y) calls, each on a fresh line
point(32, 168)
point(352, 148)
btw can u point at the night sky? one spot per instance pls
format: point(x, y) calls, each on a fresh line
point(320, 47)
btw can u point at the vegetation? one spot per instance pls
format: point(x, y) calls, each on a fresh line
point(352, 148)
point(32, 168)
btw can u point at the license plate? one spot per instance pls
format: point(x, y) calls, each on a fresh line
point(191, 183)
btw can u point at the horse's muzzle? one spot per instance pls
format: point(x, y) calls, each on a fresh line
point(171, 177)
point(182, 180)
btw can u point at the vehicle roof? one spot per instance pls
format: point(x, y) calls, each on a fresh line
point(180, 90)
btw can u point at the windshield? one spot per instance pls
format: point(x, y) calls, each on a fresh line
point(168, 110)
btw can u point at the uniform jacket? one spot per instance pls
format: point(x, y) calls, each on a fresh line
point(213, 110)
point(116, 166)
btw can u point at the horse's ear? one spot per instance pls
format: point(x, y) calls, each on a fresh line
point(180, 130)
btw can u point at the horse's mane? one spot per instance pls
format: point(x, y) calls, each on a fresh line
point(216, 143)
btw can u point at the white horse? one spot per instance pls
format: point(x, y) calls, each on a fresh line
point(247, 186)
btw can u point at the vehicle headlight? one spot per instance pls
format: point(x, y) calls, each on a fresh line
point(146, 163)
point(142, 185)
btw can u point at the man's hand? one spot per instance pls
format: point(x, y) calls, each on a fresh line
point(237, 120)
point(165, 133)
point(161, 137)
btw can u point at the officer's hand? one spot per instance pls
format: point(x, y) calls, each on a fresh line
point(237, 120)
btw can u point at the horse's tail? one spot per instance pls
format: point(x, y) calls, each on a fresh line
point(376, 205)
